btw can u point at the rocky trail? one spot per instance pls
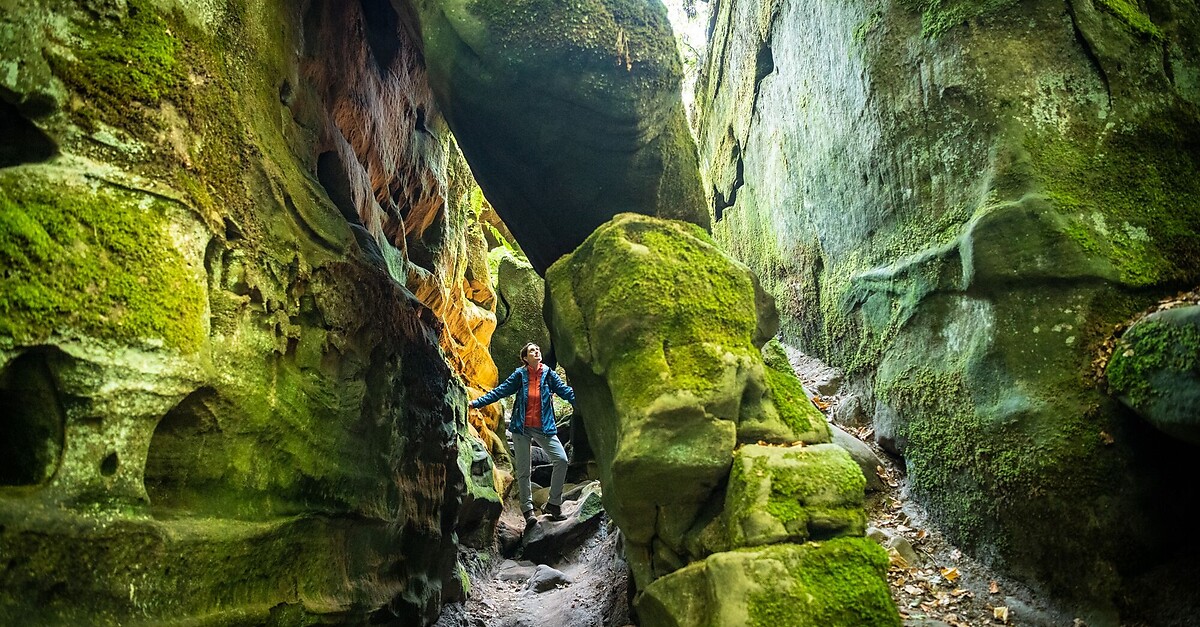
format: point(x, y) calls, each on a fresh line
point(584, 584)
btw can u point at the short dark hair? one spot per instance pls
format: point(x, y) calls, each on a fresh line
point(525, 349)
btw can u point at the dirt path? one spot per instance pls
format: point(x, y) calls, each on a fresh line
point(501, 597)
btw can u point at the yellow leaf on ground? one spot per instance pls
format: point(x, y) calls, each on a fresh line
point(1000, 614)
point(950, 574)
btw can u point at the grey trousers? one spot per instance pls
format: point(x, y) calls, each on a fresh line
point(558, 455)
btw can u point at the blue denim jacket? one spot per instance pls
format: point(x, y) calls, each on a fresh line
point(518, 383)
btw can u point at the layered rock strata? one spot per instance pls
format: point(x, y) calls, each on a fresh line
point(957, 202)
point(221, 399)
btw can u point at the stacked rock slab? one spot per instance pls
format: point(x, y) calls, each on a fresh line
point(661, 333)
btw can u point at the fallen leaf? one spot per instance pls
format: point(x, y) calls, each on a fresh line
point(1106, 438)
point(994, 588)
point(1000, 614)
point(913, 590)
point(950, 574)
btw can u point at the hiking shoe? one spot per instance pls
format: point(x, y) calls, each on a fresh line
point(555, 512)
point(530, 519)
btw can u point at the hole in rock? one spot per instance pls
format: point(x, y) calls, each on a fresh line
point(23, 141)
point(286, 93)
point(108, 467)
point(182, 460)
point(332, 175)
point(31, 432)
point(383, 31)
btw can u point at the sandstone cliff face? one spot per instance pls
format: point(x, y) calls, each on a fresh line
point(221, 397)
point(569, 113)
point(957, 201)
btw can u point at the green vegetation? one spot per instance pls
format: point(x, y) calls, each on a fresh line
point(1132, 16)
point(939, 16)
point(840, 582)
point(99, 263)
point(132, 60)
point(795, 408)
point(867, 26)
point(795, 486)
point(1150, 347)
point(971, 465)
point(1134, 200)
point(643, 270)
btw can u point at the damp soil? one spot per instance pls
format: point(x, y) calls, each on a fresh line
point(597, 595)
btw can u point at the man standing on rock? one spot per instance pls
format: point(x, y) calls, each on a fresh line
point(532, 419)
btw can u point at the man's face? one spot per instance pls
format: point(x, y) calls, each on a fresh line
point(533, 356)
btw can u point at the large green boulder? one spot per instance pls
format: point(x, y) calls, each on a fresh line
point(838, 583)
point(661, 333)
point(1155, 370)
point(569, 113)
point(793, 494)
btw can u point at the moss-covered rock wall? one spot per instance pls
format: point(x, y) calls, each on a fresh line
point(242, 295)
point(958, 202)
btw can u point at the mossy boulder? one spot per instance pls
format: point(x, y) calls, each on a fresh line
point(1155, 370)
point(661, 333)
point(793, 494)
point(568, 113)
point(838, 583)
point(519, 320)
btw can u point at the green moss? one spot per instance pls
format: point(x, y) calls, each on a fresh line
point(939, 16)
point(866, 27)
point(795, 408)
point(656, 286)
point(1150, 347)
point(802, 484)
point(1134, 199)
point(973, 471)
point(1132, 17)
point(839, 583)
point(98, 263)
point(134, 59)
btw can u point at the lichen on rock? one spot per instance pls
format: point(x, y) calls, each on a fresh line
point(661, 333)
point(840, 583)
point(1155, 370)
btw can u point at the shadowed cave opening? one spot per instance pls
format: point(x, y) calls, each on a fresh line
point(24, 142)
point(31, 433)
point(182, 449)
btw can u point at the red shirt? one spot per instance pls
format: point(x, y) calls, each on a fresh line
point(533, 400)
